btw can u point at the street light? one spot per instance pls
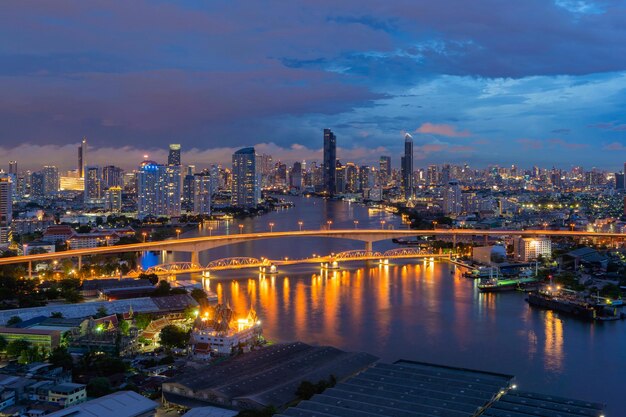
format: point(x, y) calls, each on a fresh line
point(300, 223)
point(210, 230)
point(240, 228)
point(356, 224)
point(177, 233)
point(382, 224)
point(329, 223)
point(435, 224)
point(144, 234)
point(271, 227)
point(572, 225)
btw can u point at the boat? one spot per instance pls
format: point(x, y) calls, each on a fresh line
point(506, 284)
point(572, 303)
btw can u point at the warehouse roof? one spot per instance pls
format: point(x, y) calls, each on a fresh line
point(119, 404)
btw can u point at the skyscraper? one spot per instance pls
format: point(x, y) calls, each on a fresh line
point(407, 167)
point(246, 191)
point(51, 180)
point(6, 209)
point(13, 167)
point(452, 198)
point(385, 169)
point(82, 157)
point(158, 190)
point(113, 199)
point(330, 161)
point(93, 185)
point(203, 188)
point(174, 156)
point(112, 176)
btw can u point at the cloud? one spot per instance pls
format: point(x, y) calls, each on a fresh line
point(529, 144)
point(567, 145)
point(614, 146)
point(442, 130)
point(612, 126)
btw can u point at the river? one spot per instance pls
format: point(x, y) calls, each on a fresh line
point(424, 311)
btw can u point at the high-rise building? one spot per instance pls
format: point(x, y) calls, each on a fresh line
point(113, 199)
point(93, 185)
point(6, 209)
point(112, 176)
point(202, 191)
point(352, 178)
point(296, 176)
point(82, 157)
point(51, 180)
point(384, 169)
point(407, 167)
point(246, 191)
point(158, 190)
point(330, 161)
point(452, 198)
point(13, 167)
point(174, 156)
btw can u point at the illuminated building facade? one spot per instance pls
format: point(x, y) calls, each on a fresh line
point(158, 190)
point(246, 190)
point(529, 248)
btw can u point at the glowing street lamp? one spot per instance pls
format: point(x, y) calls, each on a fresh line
point(240, 228)
point(356, 224)
point(271, 227)
point(177, 233)
point(300, 223)
point(144, 234)
point(210, 230)
point(329, 223)
point(382, 224)
point(435, 224)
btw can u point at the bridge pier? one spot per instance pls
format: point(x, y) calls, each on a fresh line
point(368, 247)
point(80, 263)
point(195, 257)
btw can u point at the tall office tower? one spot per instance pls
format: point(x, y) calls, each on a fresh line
point(407, 167)
point(174, 156)
point(112, 176)
point(452, 198)
point(367, 178)
point(330, 162)
point(113, 199)
point(37, 181)
point(246, 191)
point(280, 175)
point(6, 209)
point(13, 167)
point(202, 191)
point(82, 157)
point(265, 168)
point(188, 192)
point(93, 185)
point(340, 178)
point(445, 174)
point(352, 178)
point(385, 169)
point(619, 181)
point(432, 176)
point(158, 190)
point(295, 179)
point(51, 180)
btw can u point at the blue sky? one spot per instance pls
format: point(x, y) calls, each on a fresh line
point(483, 82)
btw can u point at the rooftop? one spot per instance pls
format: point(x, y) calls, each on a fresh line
point(408, 388)
point(119, 404)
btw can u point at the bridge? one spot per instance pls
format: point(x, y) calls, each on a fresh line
point(195, 245)
point(175, 268)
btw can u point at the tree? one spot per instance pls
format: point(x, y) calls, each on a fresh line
point(101, 312)
point(173, 336)
point(199, 295)
point(164, 288)
point(14, 320)
point(124, 327)
point(97, 387)
point(56, 315)
point(16, 347)
point(3, 343)
point(61, 357)
point(142, 320)
point(153, 278)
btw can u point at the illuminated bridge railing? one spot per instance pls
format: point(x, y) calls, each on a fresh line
point(235, 262)
point(403, 252)
point(352, 254)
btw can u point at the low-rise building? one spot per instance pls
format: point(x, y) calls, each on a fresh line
point(118, 404)
point(530, 248)
point(67, 394)
point(47, 339)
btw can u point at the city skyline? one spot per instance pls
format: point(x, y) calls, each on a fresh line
point(480, 86)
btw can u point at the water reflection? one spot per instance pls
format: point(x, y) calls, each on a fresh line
point(554, 342)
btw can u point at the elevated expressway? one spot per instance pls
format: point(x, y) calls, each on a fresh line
point(195, 245)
